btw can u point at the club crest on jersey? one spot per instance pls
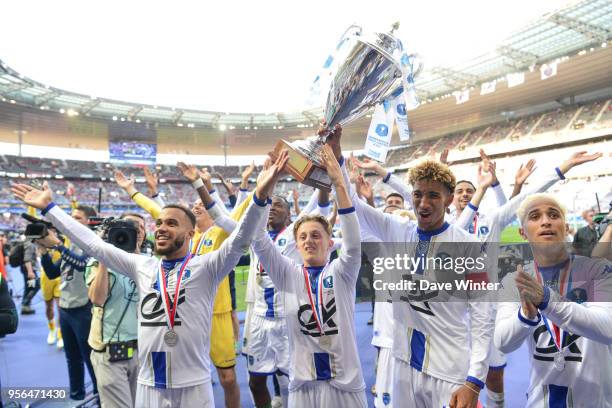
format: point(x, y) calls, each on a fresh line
point(328, 282)
point(208, 242)
point(484, 230)
point(187, 274)
point(386, 398)
point(282, 241)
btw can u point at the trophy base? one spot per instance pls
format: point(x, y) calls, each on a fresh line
point(302, 168)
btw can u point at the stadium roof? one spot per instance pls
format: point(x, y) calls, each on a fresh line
point(555, 35)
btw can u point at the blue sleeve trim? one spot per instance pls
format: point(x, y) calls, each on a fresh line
point(48, 208)
point(269, 201)
point(327, 204)
point(497, 368)
point(261, 203)
point(476, 381)
point(212, 191)
point(211, 205)
point(343, 211)
point(495, 184)
point(341, 161)
point(387, 177)
point(561, 176)
point(526, 320)
point(244, 190)
point(473, 207)
point(544, 304)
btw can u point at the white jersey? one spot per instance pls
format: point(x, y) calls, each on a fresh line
point(446, 340)
point(188, 363)
point(331, 357)
point(585, 375)
point(383, 325)
point(265, 299)
point(487, 227)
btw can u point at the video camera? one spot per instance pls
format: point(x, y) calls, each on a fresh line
point(37, 228)
point(123, 234)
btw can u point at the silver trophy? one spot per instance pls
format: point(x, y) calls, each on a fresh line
point(368, 74)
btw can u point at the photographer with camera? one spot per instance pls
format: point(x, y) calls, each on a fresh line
point(114, 328)
point(30, 270)
point(75, 308)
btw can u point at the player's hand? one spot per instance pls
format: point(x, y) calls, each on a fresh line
point(268, 177)
point(524, 172)
point(206, 178)
point(248, 171)
point(331, 165)
point(333, 140)
point(368, 164)
point(296, 195)
point(364, 188)
point(31, 196)
point(530, 290)
point(577, 159)
point(487, 163)
point(151, 180)
point(486, 174)
point(465, 397)
point(125, 183)
point(189, 171)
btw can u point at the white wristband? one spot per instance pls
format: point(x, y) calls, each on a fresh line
point(198, 183)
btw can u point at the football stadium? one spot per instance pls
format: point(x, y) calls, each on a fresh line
point(213, 245)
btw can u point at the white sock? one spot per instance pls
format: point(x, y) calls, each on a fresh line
point(495, 399)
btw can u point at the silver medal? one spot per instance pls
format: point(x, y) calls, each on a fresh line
point(170, 338)
point(559, 361)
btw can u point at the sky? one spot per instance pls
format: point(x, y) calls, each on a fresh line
point(232, 56)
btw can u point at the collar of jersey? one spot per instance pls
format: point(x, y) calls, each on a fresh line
point(425, 235)
point(549, 272)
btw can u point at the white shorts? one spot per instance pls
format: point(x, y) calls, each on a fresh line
point(322, 395)
point(194, 396)
point(415, 389)
point(266, 345)
point(497, 359)
point(384, 378)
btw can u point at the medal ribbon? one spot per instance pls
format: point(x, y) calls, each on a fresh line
point(475, 224)
point(558, 335)
point(171, 311)
point(317, 307)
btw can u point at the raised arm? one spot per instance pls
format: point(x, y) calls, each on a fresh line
point(80, 235)
point(232, 248)
point(387, 177)
point(144, 202)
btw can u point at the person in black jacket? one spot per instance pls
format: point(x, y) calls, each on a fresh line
point(8, 313)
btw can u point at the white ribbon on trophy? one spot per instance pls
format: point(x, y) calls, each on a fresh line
point(380, 131)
